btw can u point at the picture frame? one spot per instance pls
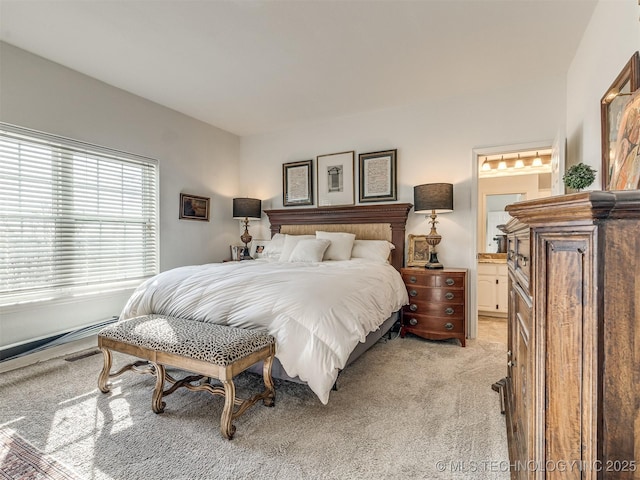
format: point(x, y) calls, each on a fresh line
point(236, 252)
point(418, 252)
point(611, 107)
point(194, 207)
point(625, 166)
point(297, 183)
point(335, 178)
point(257, 247)
point(377, 176)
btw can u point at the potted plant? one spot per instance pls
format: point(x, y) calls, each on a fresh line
point(579, 176)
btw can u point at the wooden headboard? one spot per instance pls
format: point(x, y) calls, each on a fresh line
point(368, 222)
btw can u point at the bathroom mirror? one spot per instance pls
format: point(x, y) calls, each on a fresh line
point(494, 216)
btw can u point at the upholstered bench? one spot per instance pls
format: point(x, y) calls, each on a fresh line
point(207, 349)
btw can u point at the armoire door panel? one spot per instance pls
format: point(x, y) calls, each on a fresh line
point(565, 299)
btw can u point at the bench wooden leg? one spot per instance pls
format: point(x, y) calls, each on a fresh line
point(270, 400)
point(157, 405)
point(139, 366)
point(226, 428)
point(103, 379)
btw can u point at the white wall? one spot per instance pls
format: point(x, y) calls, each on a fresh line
point(194, 157)
point(612, 36)
point(434, 142)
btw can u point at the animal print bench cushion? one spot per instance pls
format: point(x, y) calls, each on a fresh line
point(217, 344)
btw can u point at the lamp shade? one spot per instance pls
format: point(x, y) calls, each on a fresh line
point(247, 208)
point(433, 196)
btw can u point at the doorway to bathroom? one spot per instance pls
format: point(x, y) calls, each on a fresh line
point(505, 176)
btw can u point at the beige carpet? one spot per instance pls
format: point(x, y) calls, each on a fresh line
point(409, 408)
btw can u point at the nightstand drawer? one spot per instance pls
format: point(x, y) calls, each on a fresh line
point(422, 278)
point(434, 324)
point(449, 280)
point(416, 277)
point(451, 310)
point(427, 294)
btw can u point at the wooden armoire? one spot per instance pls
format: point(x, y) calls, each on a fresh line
point(572, 391)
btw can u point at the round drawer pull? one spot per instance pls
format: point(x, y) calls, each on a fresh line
point(449, 311)
point(449, 296)
point(413, 293)
point(448, 326)
point(449, 281)
point(511, 363)
point(413, 279)
point(413, 307)
point(413, 321)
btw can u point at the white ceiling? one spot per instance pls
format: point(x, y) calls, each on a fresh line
point(256, 66)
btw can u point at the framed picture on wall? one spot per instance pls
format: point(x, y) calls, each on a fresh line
point(297, 183)
point(335, 179)
point(611, 108)
point(625, 166)
point(194, 207)
point(377, 174)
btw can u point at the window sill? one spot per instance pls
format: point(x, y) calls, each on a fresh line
point(17, 303)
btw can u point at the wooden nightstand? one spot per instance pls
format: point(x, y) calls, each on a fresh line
point(437, 303)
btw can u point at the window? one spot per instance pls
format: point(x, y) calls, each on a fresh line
point(74, 217)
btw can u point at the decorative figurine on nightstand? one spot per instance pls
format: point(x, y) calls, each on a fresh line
point(434, 198)
point(246, 208)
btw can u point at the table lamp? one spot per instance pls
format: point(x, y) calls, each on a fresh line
point(244, 209)
point(433, 198)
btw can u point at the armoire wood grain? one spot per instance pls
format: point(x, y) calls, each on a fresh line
point(572, 391)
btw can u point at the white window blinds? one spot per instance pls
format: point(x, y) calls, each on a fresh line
point(73, 216)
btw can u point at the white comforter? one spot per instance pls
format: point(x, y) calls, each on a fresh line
point(318, 312)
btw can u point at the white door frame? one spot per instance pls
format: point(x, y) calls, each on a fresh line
point(472, 327)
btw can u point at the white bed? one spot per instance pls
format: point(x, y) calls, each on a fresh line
point(319, 312)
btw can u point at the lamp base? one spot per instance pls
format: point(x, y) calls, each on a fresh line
point(245, 238)
point(433, 263)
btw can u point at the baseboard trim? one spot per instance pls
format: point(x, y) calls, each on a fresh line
point(68, 348)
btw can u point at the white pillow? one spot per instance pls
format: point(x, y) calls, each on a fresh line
point(290, 242)
point(274, 248)
point(341, 245)
point(310, 250)
point(378, 250)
